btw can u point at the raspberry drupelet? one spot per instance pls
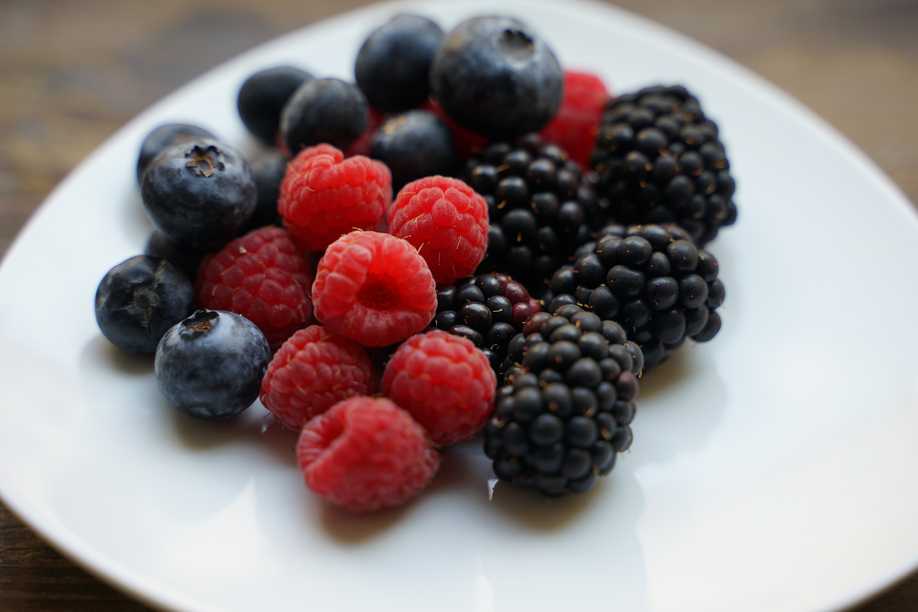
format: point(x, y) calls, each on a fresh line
point(446, 221)
point(323, 195)
point(374, 288)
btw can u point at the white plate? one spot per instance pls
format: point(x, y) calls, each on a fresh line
point(772, 469)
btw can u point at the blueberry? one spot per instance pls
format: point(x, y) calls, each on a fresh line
point(496, 76)
point(324, 110)
point(139, 299)
point(268, 172)
point(160, 245)
point(393, 63)
point(262, 97)
point(414, 145)
point(164, 136)
point(200, 193)
point(211, 364)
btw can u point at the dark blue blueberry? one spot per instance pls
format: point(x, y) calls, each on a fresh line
point(139, 299)
point(211, 364)
point(200, 193)
point(393, 64)
point(496, 76)
point(268, 172)
point(164, 136)
point(160, 245)
point(324, 110)
point(414, 145)
point(262, 97)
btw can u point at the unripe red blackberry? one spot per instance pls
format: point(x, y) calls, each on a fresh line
point(488, 309)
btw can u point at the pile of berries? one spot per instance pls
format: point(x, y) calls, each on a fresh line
point(465, 238)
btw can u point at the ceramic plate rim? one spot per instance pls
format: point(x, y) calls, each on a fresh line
point(147, 589)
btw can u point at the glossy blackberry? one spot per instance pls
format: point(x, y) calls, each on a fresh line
point(657, 284)
point(565, 409)
point(660, 160)
point(540, 207)
point(488, 309)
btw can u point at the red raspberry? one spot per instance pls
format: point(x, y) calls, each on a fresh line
point(575, 126)
point(444, 382)
point(361, 146)
point(374, 288)
point(261, 276)
point(324, 195)
point(447, 222)
point(311, 372)
point(365, 454)
point(466, 141)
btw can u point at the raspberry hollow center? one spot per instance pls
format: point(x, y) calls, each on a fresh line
point(377, 294)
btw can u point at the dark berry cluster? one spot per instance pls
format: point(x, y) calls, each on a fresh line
point(658, 285)
point(540, 207)
point(488, 309)
point(660, 160)
point(567, 403)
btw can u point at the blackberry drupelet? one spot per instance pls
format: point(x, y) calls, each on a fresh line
point(657, 284)
point(660, 160)
point(488, 309)
point(567, 403)
point(540, 207)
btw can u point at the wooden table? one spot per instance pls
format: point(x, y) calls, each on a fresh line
point(73, 72)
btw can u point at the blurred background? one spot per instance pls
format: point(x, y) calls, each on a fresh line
point(76, 71)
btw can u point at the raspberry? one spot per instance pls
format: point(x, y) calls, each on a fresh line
point(575, 126)
point(447, 222)
point(366, 454)
point(466, 141)
point(261, 276)
point(311, 372)
point(374, 288)
point(324, 195)
point(361, 146)
point(444, 382)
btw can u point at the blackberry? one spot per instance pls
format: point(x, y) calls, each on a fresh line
point(488, 309)
point(657, 284)
point(539, 204)
point(660, 160)
point(567, 403)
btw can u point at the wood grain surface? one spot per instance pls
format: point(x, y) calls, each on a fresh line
point(73, 72)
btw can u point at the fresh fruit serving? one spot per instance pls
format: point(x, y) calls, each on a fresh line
point(467, 241)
